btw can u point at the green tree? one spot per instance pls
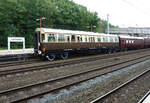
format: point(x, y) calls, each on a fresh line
point(18, 18)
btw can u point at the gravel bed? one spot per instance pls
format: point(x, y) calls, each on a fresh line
point(48, 62)
point(131, 93)
point(20, 80)
point(60, 61)
point(87, 95)
point(57, 84)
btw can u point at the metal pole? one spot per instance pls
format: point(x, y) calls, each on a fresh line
point(91, 28)
point(107, 23)
point(40, 22)
point(42, 18)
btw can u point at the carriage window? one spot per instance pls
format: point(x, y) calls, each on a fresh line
point(81, 39)
point(99, 39)
point(116, 39)
point(61, 38)
point(89, 39)
point(85, 39)
point(106, 39)
point(93, 39)
point(103, 39)
point(51, 38)
point(111, 39)
point(73, 38)
point(43, 38)
point(132, 41)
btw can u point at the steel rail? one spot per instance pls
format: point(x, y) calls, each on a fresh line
point(62, 78)
point(119, 87)
point(15, 57)
point(52, 65)
point(7, 64)
point(19, 62)
point(144, 97)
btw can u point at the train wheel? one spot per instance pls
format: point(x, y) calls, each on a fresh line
point(114, 51)
point(125, 49)
point(109, 51)
point(64, 55)
point(50, 56)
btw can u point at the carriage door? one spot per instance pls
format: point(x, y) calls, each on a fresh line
point(36, 40)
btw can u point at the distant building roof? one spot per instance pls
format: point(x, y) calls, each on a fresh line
point(131, 30)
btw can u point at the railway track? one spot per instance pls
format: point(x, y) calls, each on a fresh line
point(144, 97)
point(29, 91)
point(84, 59)
point(15, 57)
point(18, 62)
point(59, 64)
point(110, 94)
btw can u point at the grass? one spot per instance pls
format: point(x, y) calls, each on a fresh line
point(3, 48)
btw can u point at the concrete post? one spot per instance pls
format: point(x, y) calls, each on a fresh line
point(107, 23)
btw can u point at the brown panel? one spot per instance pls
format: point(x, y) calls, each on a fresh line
point(62, 46)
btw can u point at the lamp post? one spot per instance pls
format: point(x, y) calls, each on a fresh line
point(92, 26)
point(107, 23)
point(42, 18)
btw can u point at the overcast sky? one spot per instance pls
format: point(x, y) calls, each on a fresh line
point(124, 13)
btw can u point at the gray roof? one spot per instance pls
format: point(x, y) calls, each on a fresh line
point(130, 30)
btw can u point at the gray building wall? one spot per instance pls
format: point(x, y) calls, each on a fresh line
point(130, 31)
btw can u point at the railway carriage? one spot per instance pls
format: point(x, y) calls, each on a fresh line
point(129, 42)
point(51, 42)
point(146, 42)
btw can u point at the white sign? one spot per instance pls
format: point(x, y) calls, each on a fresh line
point(16, 39)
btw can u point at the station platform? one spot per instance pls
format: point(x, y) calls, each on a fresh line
point(16, 52)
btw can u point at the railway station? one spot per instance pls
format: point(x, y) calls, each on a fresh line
point(64, 51)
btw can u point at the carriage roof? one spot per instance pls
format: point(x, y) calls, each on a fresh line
point(130, 37)
point(61, 31)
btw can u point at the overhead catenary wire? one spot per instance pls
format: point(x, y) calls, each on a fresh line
point(136, 7)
